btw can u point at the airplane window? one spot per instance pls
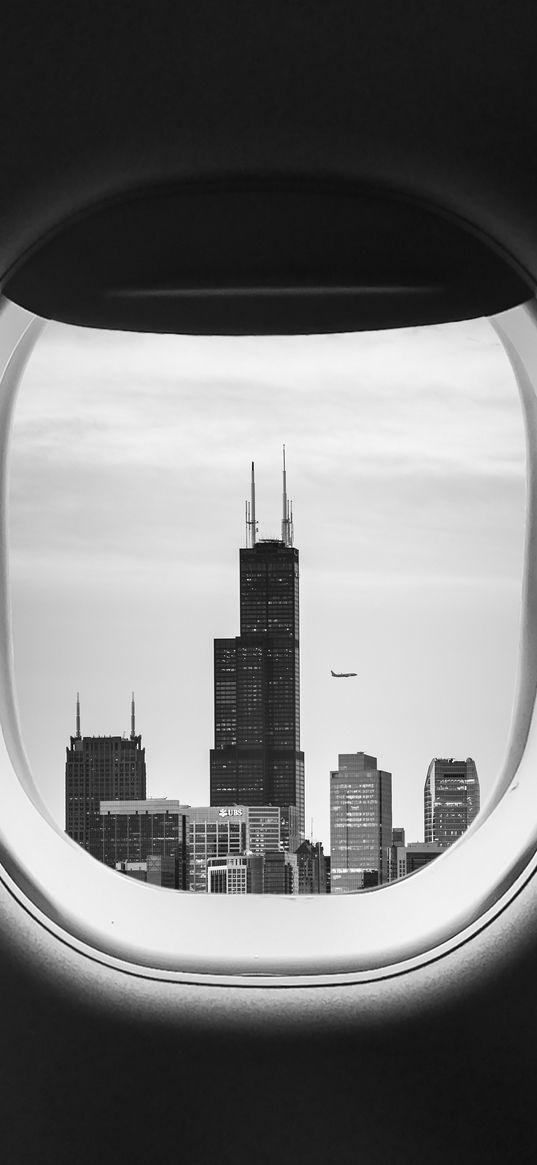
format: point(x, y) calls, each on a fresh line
point(156, 576)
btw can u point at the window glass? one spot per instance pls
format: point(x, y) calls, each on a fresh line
point(130, 466)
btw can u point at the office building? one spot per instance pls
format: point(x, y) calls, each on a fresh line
point(256, 759)
point(134, 830)
point(235, 874)
point(311, 868)
point(213, 832)
point(420, 853)
point(155, 870)
point(267, 873)
point(360, 823)
point(263, 828)
point(397, 860)
point(280, 873)
point(136, 870)
point(451, 799)
point(100, 768)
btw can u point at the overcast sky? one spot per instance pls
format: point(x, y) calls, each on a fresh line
point(130, 465)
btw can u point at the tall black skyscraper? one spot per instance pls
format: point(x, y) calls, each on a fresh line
point(256, 759)
point(100, 768)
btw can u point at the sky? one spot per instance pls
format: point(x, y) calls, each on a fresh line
point(129, 469)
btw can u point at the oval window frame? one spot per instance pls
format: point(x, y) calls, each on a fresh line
point(272, 940)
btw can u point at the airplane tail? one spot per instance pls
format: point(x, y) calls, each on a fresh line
point(332, 673)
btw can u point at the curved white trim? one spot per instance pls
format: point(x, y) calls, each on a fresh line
point(257, 939)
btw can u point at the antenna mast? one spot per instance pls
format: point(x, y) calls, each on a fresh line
point(133, 730)
point(78, 716)
point(287, 511)
point(251, 525)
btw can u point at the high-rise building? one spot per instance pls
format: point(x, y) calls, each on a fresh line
point(135, 830)
point(100, 768)
point(256, 759)
point(360, 823)
point(451, 799)
point(213, 833)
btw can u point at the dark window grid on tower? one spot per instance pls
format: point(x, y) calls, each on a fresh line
point(267, 696)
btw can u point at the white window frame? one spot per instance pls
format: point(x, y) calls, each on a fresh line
point(258, 940)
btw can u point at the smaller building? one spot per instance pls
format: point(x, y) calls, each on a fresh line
point(280, 873)
point(213, 832)
point(235, 874)
point(132, 830)
point(263, 828)
point(136, 870)
point(311, 868)
point(162, 871)
point(397, 858)
point(420, 853)
point(155, 870)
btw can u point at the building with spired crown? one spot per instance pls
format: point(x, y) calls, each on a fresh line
point(100, 768)
point(256, 759)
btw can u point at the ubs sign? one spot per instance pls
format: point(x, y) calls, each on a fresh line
point(230, 813)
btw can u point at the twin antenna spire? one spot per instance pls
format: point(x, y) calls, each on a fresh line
point(133, 717)
point(287, 512)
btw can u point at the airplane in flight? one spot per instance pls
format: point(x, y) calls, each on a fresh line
point(343, 675)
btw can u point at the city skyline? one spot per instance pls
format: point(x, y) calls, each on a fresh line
point(117, 791)
point(409, 523)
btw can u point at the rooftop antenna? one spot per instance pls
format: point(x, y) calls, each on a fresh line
point(78, 716)
point(251, 525)
point(287, 512)
point(133, 731)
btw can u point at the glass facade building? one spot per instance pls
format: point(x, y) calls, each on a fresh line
point(156, 870)
point(256, 759)
point(451, 799)
point(263, 828)
point(213, 833)
point(360, 823)
point(137, 830)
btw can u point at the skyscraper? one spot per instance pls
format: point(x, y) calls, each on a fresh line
point(451, 799)
point(256, 759)
point(360, 823)
point(100, 768)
